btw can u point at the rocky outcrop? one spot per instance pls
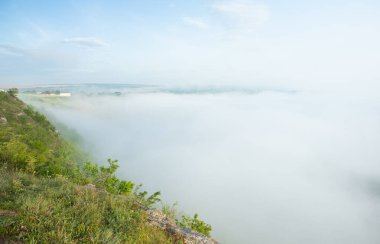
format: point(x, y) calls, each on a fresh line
point(3, 120)
point(160, 220)
point(20, 114)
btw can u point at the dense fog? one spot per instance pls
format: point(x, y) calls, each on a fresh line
point(267, 167)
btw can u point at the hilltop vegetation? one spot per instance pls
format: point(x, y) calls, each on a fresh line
point(28, 141)
point(49, 194)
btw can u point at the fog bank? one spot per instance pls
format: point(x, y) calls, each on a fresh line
point(269, 167)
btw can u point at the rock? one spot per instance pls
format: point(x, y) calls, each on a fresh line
point(3, 120)
point(7, 213)
point(90, 186)
point(160, 220)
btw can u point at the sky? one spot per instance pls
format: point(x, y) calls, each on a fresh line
point(292, 44)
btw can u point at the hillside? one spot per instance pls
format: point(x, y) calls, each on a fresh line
point(49, 194)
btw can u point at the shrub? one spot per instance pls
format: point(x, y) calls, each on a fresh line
point(12, 91)
point(195, 224)
point(148, 201)
point(104, 177)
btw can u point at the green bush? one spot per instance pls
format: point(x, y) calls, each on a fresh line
point(12, 91)
point(195, 224)
point(104, 177)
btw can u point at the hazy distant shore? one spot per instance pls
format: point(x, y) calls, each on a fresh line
point(37, 86)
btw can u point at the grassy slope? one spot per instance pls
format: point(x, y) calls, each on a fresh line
point(29, 141)
point(42, 197)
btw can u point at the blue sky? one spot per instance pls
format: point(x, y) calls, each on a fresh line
point(212, 42)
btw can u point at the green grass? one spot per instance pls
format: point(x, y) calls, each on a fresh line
point(55, 210)
point(28, 141)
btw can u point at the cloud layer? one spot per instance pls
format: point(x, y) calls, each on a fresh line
point(86, 41)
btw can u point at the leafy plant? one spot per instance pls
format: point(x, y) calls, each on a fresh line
point(195, 224)
point(104, 177)
point(147, 201)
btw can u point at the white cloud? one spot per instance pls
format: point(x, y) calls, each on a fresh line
point(86, 41)
point(245, 15)
point(195, 22)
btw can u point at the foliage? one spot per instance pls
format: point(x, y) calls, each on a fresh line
point(148, 201)
point(12, 91)
point(104, 177)
point(195, 224)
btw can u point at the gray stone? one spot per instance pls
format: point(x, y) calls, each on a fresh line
point(3, 120)
point(160, 220)
point(7, 213)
